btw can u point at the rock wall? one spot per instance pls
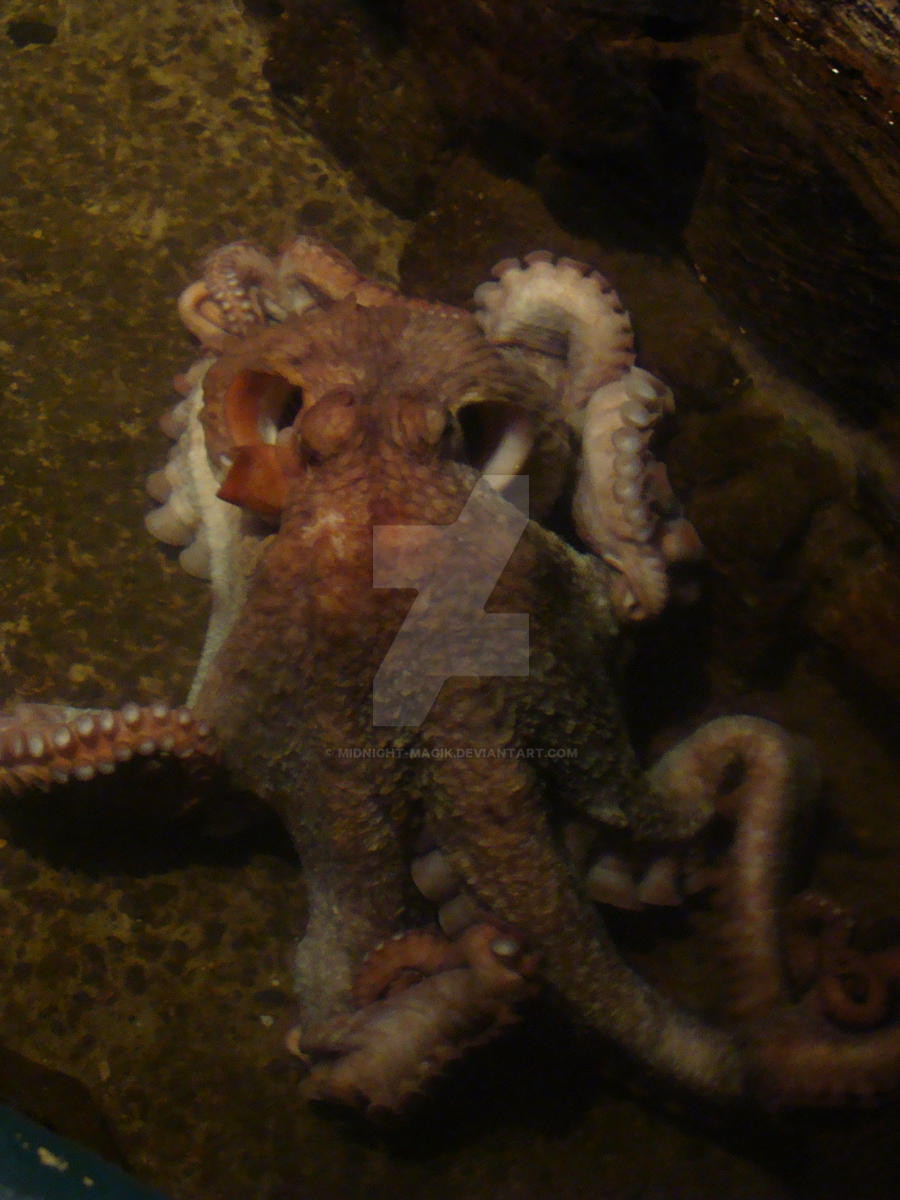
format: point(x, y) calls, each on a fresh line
point(764, 137)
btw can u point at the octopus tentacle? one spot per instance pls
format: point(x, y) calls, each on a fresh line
point(185, 485)
point(850, 987)
point(239, 283)
point(792, 1063)
point(756, 773)
point(563, 319)
point(434, 876)
point(612, 879)
point(571, 329)
point(623, 507)
point(791, 1056)
point(45, 744)
point(379, 1056)
point(403, 960)
point(236, 293)
point(242, 288)
point(311, 271)
point(579, 959)
point(798, 1052)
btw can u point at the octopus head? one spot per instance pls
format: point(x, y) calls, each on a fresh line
point(333, 398)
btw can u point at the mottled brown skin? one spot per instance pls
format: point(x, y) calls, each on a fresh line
point(292, 687)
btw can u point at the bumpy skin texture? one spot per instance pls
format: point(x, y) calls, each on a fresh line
point(328, 465)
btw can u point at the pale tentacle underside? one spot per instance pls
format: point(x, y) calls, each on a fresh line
point(565, 320)
point(569, 325)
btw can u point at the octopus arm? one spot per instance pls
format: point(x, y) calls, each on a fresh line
point(487, 815)
point(798, 1049)
point(380, 1056)
point(355, 871)
point(42, 745)
point(794, 1055)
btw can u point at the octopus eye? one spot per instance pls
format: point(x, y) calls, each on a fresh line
point(329, 426)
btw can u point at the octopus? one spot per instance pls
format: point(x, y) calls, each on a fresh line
point(425, 530)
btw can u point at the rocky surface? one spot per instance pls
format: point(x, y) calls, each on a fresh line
point(797, 223)
point(764, 135)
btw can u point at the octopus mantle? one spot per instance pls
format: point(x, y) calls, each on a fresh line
point(347, 472)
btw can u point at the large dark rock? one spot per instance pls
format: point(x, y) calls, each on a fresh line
point(797, 224)
point(512, 78)
point(361, 86)
point(764, 136)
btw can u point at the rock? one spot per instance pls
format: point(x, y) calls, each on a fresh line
point(752, 487)
point(765, 137)
point(365, 96)
point(797, 224)
point(855, 582)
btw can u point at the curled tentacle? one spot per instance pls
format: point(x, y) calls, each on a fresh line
point(567, 324)
point(755, 772)
point(45, 744)
point(402, 961)
point(242, 289)
point(312, 272)
point(623, 507)
point(792, 1055)
point(237, 290)
point(809, 1035)
point(379, 1056)
point(849, 986)
point(563, 319)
